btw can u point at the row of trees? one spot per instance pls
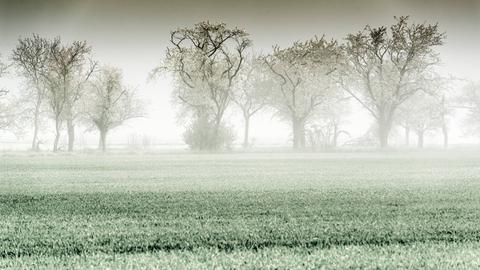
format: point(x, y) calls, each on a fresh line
point(380, 68)
point(389, 71)
point(65, 84)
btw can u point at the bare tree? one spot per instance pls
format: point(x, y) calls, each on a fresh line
point(304, 74)
point(326, 125)
point(251, 89)
point(444, 111)
point(470, 101)
point(31, 57)
point(6, 114)
point(384, 68)
point(427, 110)
point(444, 92)
point(108, 103)
point(205, 59)
point(422, 113)
point(67, 74)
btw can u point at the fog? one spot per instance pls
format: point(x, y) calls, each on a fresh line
point(246, 134)
point(133, 36)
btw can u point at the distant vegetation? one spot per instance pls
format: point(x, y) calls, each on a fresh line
point(390, 71)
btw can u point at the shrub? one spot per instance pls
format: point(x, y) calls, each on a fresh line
point(202, 135)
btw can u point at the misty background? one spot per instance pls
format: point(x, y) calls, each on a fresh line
point(133, 36)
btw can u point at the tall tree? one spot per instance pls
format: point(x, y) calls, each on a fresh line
point(444, 112)
point(384, 68)
point(108, 103)
point(205, 59)
point(444, 93)
point(69, 70)
point(6, 114)
point(304, 74)
point(31, 57)
point(470, 101)
point(251, 89)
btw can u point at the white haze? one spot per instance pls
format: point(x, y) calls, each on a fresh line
point(133, 35)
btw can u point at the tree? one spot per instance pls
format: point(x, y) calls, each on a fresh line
point(31, 56)
point(384, 68)
point(444, 112)
point(422, 113)
point(251, 90)
point(326, 126)
point(427, 110)
point(108, 103)
point(444, 90)
point(67, 74)
point(6, 114)
point(470, 101)
point(205, 59)
point(304, 75)
point(6, 118)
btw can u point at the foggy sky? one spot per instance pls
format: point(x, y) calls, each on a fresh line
point(133, 35)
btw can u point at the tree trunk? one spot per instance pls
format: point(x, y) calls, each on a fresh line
point(384, 127)
point(71, 134)
point(102, 144)
point(302, 137)
point(246, 131)
point(311, 139)
point(445, 137)
point(36, 123)
point(383, 132)
point(58, 125)
point(407, 136)
point(420, 136)
point(445, 134)
point(298, 133)
point(55, 142)
point(336, 133)
point(444, 124)
point(215, 144)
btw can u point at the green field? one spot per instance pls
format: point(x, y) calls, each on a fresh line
point(243, 211)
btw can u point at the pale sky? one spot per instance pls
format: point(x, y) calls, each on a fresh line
point(133, 35)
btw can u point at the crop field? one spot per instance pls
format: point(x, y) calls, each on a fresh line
point(241, 211)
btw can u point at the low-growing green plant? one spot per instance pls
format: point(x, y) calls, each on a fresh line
point(234, 205)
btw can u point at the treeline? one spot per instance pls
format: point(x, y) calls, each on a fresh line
point(309, 84)
point(65, 84)
point(390, 71)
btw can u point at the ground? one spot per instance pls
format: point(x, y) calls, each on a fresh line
point(241, 211)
